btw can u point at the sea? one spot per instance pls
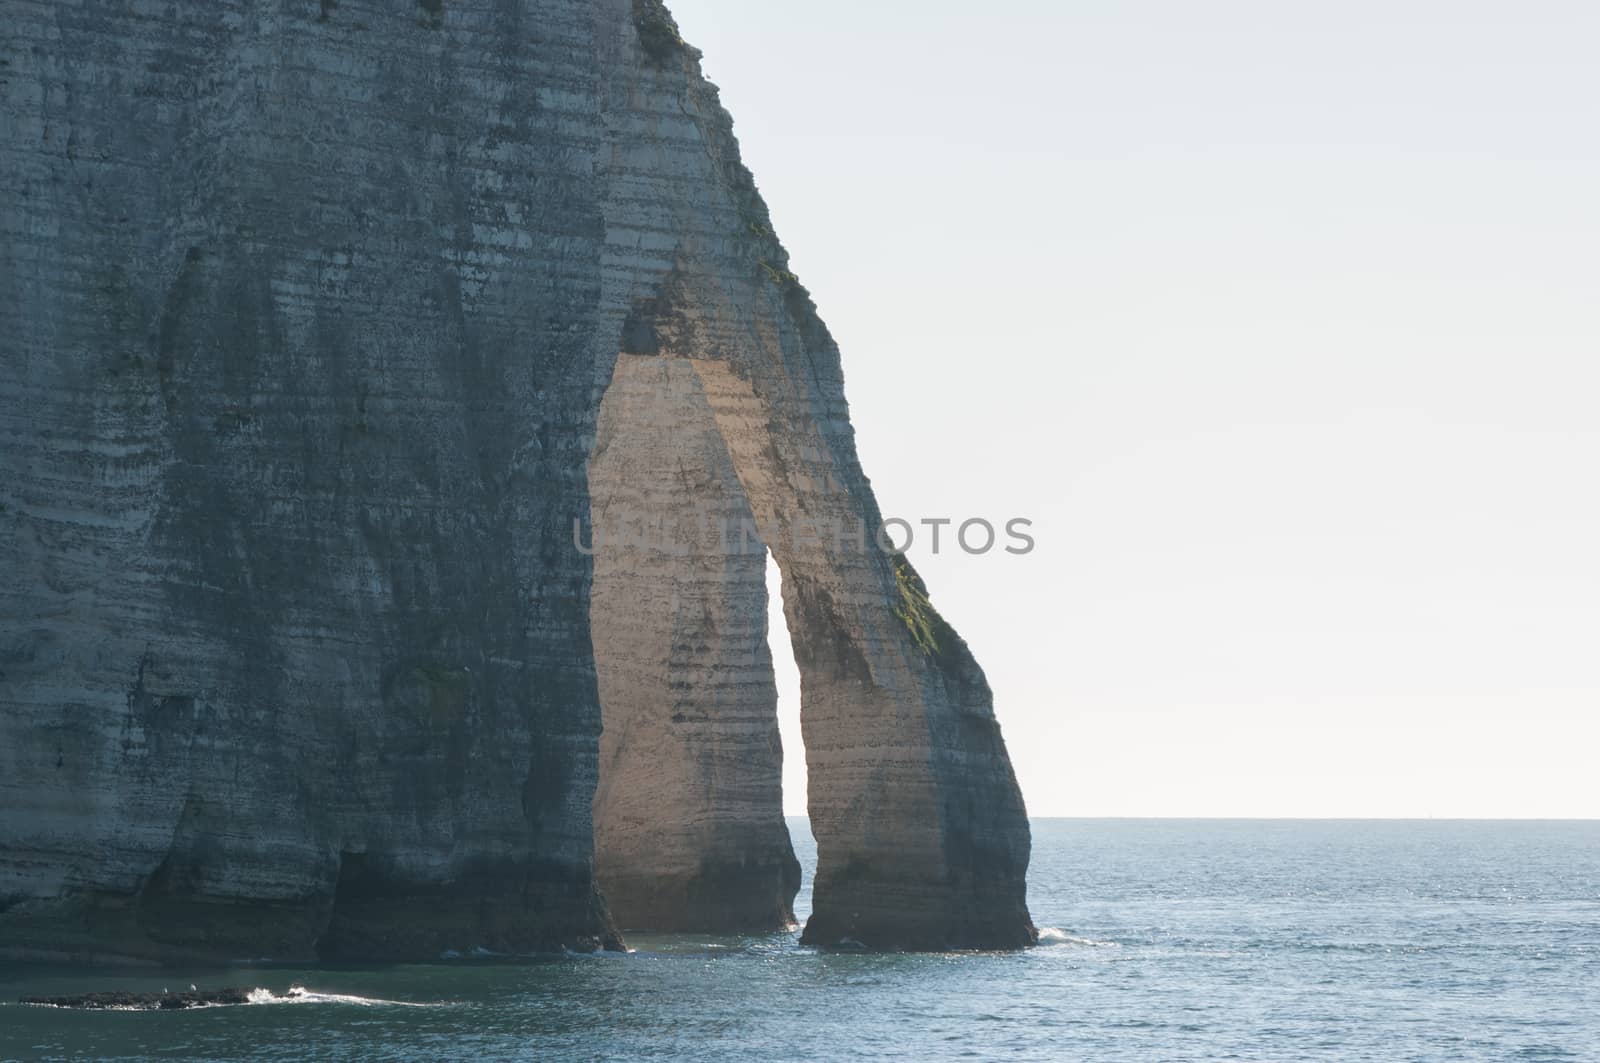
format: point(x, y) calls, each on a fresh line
point(1270, 940)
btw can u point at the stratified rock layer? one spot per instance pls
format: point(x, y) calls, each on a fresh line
point(301, 311)
point(306, 316)
point(922, 840)
point(689, 831)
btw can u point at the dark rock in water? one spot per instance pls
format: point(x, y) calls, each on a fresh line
point(145, 1001)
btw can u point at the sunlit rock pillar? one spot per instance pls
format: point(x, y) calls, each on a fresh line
point(922, 837)
point(689, 830)
point(921, 832)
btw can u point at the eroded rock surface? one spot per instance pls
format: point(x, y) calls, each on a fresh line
point(306, 315)
point(689, 829)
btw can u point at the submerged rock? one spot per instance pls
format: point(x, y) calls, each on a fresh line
point(307, 320)
point(145, 1001)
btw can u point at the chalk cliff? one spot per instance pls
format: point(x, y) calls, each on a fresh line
point(308, 316)
point(688, 819)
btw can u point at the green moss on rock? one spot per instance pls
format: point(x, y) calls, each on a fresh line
point(928, 629)
point(658, 31)
point(781, 277)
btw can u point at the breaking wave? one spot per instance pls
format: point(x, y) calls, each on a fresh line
point(1050, 935)
point(301, 995)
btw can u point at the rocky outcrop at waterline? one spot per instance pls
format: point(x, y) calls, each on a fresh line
point(130, 1001)
point(307, 319)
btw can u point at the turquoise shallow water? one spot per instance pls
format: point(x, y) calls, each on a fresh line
point(1168, 940)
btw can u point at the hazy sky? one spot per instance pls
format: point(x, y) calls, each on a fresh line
point(1280, 320)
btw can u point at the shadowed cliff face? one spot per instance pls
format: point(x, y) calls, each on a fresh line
point(306, 318)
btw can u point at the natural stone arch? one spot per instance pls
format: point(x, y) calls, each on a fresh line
point(292, 632)
point(921, 834)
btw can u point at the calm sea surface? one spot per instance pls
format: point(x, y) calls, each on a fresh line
point(1168, 940)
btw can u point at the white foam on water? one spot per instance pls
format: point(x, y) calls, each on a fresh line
point(1050, 935)
point(597, 954)
point(301, 995)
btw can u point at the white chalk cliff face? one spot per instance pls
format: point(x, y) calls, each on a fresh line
point(320, 323)
point(688, 818)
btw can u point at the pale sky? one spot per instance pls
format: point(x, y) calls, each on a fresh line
point(1282, 323)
